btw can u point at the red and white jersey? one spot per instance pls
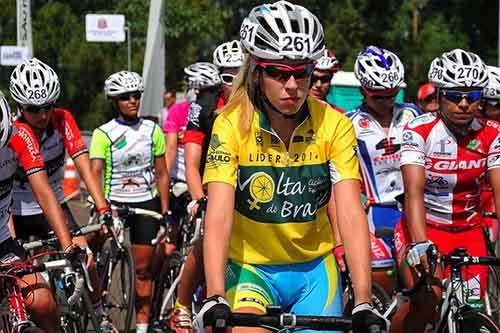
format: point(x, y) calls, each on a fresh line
point(455, 167)
point(22, 152)
point(61, 136)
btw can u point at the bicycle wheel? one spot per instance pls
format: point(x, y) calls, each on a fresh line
point(163, 284)
point(493, 291)
point(471, 321)
point(117, 273)
point(33, 330)
point(380, 299)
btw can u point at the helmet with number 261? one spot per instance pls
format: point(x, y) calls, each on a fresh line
point(282, 30)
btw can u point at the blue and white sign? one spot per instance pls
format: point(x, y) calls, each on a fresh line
point(13, 55)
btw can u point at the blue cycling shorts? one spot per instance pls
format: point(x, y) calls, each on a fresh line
point(310, 288)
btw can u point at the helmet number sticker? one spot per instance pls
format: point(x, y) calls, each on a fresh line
point(467, 73)
point(248, 31)
point(436, 73)
point(389, 77)
point(37, 94)
point(232, 57)
point(295, 43)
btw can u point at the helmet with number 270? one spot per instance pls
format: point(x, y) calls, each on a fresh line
point(458, 68)
point(282, 30)
point(34, 83)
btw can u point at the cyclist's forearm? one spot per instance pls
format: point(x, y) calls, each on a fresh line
point(215, 259)
point(162, 178)
point(353, 227)
point(51, 208)
point(414, 206)
point(92, 182)
point(193, 179)
point(171, 152)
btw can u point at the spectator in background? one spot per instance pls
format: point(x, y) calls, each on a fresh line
point(427, 98)
point(169, 100)
point(322, 76)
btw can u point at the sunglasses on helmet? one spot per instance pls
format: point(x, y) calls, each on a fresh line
point(282, 72)
point(126, 97)
point(456, 96)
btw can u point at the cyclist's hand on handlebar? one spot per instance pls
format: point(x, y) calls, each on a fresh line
point(365, 319)
point(339, 253)
point(215, 313)
point(105, 220)
point(192, 208)
point(417, 256)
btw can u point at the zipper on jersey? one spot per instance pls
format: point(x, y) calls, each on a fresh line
point(273, 132)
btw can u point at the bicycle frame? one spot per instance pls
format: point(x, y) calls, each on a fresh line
point(19, 316)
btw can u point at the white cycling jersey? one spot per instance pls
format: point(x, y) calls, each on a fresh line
point(379, 152)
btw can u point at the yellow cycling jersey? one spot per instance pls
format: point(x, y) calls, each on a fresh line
point(282, 195)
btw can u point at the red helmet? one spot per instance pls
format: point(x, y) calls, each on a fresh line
point(425, 91)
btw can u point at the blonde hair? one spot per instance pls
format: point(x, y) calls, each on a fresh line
point(242, 96)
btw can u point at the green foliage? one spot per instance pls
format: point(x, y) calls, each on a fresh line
point(195, 27)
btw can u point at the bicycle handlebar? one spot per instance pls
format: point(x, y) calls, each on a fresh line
point(290, 320)
point(460, 257)
point(54, 241)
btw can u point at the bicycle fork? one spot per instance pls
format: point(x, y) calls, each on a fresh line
point(18, 310)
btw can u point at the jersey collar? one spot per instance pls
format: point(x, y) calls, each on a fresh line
point(128, 123)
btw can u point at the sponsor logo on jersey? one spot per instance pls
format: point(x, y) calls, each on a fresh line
point(310, 136)
point(420, 120)
point(442, 147)
point(475, 145)
point(121, 142)
point(363, 123)
point(455, 165)
point(194, 114)
point(215, 155)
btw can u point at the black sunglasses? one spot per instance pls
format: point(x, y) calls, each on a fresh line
point(126, 97)
point(383, 97)
point(493, 102)
point(456, 96)
point(323, 79)
point(38, 109)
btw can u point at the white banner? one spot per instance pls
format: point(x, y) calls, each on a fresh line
point(24, 26)
point(13, 55)
point(104, 28)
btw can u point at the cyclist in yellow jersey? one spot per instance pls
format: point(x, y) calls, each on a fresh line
point(274, 159)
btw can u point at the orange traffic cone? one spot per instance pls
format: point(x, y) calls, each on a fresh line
point(71, 184)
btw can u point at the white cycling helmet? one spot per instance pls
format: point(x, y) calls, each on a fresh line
point(123, 82)
point(379, 69)
point(202, 75)
point(328, 62)
point(282, 30)
point(5, 121)
point(229, 55)
point(458, 68)
point(492, 90)
point(34, 83)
